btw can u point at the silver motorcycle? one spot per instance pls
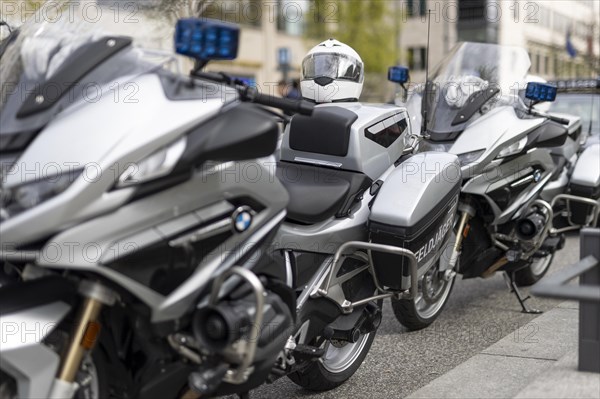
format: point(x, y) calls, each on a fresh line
point(517, 162)
point(129, 239)
point(367, 220)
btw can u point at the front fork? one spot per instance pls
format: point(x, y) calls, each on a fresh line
point(83, 337)
point(466, 213)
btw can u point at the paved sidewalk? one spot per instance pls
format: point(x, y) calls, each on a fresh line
point(536, 361)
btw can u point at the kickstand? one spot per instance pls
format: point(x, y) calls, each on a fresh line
point(512, 285)
point(244, 395)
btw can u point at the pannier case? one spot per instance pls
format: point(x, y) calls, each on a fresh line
point(414, 209)
point(585, 182)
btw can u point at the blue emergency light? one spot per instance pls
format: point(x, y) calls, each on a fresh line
point(205, 39)
point(540, 92)
point(398, 74)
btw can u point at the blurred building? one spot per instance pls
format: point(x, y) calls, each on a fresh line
point(266, 27)
point(543, 27)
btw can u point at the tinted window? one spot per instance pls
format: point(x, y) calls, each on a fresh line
point(388, 135)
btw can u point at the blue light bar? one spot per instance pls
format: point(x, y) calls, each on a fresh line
point(398, 74)
point(205, 39)
point(540, 91)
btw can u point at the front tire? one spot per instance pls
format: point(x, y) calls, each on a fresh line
point(338, 364)
point(533, 272)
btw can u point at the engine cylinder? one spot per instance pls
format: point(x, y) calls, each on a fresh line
point(218, 326)
point(531, 226)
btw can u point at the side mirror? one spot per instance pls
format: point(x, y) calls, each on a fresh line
point(398, 74)
point(539, 92)
point(206, 40)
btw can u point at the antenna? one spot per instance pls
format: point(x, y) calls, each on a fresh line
point(426, 102)
point(427, 48)
point(591, 116)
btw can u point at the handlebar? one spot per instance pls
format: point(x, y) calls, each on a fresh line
point(251, 94)
point(299, 106)
point(553, 118)
point(562, 121)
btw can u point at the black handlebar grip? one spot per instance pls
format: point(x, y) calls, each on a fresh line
point(300, 106)
point(562, 121)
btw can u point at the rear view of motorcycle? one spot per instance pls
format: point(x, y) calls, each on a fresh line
point(129, 245)
point(511, 158)
point(367, 220)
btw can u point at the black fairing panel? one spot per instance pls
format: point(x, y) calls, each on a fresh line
point(318, 193)
point(239, 133)
point(548, 134)
point(30, 294)
point(162, 267)
point(326, 131)
point(478, 252)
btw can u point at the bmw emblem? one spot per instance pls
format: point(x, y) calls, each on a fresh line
point(537, 175)
point(242, 219)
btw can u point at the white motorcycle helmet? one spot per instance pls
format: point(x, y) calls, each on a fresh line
point(332, 72)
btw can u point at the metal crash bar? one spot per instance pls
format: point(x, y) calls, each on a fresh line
point(240, 375)
point(587, 293)
point(595, 204)
point(324, 289)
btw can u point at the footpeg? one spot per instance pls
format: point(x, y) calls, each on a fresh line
point(373, 319)
point(552, 244)
point(307, 352)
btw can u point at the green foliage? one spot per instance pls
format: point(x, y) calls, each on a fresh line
point(368, 26)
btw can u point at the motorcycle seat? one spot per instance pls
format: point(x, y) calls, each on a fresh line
point(318, 193)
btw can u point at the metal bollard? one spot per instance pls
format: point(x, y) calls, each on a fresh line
point(587, 293)
point(589, 312)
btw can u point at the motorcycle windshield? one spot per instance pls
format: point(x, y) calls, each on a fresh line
point(54, 61)
point(472, 76)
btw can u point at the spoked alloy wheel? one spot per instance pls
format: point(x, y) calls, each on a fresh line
point(434, 290)
point(338, 364)
point(342, 355)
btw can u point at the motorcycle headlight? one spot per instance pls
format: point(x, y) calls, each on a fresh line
point(159, 164)
point(513, 148)
point(26, 196)
point(469, 157)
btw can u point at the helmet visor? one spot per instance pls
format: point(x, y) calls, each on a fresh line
point(335, 66)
